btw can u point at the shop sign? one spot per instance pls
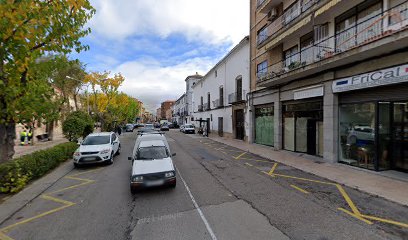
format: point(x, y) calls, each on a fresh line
point(382, 77)
point(309, 92)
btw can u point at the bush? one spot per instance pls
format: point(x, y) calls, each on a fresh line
point(15, 174)
point(77, 124)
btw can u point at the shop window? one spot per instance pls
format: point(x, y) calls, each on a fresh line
point(357, 134)
point(264, 125)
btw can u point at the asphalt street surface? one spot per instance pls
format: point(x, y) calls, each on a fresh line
point(222, 193)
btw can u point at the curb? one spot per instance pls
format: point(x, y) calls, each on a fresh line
point(15, 203)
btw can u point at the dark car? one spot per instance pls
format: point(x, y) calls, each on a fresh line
point(129, 127)
point(164, 128)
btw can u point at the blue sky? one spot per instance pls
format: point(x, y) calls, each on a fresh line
point(156, 44)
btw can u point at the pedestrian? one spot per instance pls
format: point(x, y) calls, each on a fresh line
point(119, 130)
point(23, 135)
point(30, 136)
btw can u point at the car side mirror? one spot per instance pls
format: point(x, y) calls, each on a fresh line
point(174, 154)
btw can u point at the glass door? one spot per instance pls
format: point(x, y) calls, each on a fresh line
point(384, 136)
point(400, 136)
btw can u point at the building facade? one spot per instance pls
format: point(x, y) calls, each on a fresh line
point(329, 79)
point(180, 110)
point(165, 107)
point(220, 97)
point(189, 108)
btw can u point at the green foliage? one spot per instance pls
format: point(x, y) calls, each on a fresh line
point(15, 174)
point(77, 124)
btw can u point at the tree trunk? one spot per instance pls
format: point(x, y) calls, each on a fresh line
point(7, 137)
point(76, 102)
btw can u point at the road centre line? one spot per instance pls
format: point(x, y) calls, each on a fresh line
point(299, 189)
point(207, 225)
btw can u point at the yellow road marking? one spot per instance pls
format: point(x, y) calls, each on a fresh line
point(359, 217)
point(249, 164)
point(272, 169)
point(298, 178)
point(240, 155)
point(220, 148)
point(348, 200)
point(299, 189)
point(50, 198)
point(385, 220)
point(4, 237)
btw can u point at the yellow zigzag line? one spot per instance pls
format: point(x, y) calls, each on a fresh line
point(47, 196)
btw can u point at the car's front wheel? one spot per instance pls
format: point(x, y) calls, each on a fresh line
point(110, 160)
point(133, 190)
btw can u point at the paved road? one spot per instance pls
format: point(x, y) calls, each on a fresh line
point(222, 193)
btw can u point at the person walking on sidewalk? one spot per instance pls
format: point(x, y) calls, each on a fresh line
point(30, 136)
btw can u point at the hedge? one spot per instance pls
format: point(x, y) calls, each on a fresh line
point(15, 174)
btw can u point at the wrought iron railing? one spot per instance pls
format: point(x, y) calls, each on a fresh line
point(287, 17)
point(236, 97)
point(218, 103)
point(370, 30)
point(200, 108)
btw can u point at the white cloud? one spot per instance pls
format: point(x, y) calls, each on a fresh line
point(153, 83)
point(210, 21)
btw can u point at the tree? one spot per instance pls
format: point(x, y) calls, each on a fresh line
point(28, 29)
point(77, 124)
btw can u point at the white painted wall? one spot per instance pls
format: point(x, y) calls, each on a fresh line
point(233, 65)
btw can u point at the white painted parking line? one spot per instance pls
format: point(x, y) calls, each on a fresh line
point(207, 225)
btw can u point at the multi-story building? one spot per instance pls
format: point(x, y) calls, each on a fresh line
point(329, 78)
point(220, 97)
point(180, 110)
point(190, 82)
point(165, 106)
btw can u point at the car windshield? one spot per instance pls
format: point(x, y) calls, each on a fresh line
point(149, 126)
point(96, 140)
point(152, 153)
point(188, 126)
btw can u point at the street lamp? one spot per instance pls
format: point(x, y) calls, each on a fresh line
point(87, 93)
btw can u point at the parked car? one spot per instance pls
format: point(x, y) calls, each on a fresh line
point(149, 125)
point(97, 148)
point(156, 125)
point(129, 127)
point(189, 128)
point(164, 128)
point(152, 166)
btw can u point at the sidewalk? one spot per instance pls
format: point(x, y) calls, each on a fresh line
point(27, 149)
point(374, 183)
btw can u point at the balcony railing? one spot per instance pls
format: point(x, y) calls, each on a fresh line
point(206, 107)
point(370, 30)
point(200, 108)
point(236, 97)
point(287, 17)
point(218, 103)
point(259, 3)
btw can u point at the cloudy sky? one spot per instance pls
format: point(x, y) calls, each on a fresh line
point(156, 44)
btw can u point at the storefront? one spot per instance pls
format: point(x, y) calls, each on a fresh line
point(303, 126)
point(373, 120)
point(264, 125)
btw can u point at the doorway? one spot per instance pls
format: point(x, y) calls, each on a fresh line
point(220, 126)
point(239, 124)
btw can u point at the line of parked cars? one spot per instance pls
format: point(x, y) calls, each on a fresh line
point(151, 159)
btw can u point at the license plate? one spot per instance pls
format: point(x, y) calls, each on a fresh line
point(89, 159)
point(154, 183)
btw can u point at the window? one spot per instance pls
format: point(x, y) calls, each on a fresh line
point(208, 101)
point(239, 88)
point(221, 101)
point(216, 73)
point(152, 153)
point(359, 24)
point(96, 140)
point(291, 57)
point(262, 69)
point(262, 34)
point(306, 48)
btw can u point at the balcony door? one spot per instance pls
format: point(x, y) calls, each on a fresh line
point(239, 88)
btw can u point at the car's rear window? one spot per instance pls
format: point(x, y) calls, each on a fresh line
point(152, 153)
point(96, 140)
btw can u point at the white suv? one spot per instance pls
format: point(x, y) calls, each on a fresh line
point(97, 148)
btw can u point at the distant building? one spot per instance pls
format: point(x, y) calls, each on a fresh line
point(158, 114)
point(165, 106)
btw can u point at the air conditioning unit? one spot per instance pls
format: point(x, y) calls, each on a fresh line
point(272, 14)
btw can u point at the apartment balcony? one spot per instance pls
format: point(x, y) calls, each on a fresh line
point(206, 107)
point(376, 36)
point(236, 97)
point(263, 6)
point(200, 108)
point(218, 103)
point(288, 22)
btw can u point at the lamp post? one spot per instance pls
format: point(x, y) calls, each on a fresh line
point(87, 93)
